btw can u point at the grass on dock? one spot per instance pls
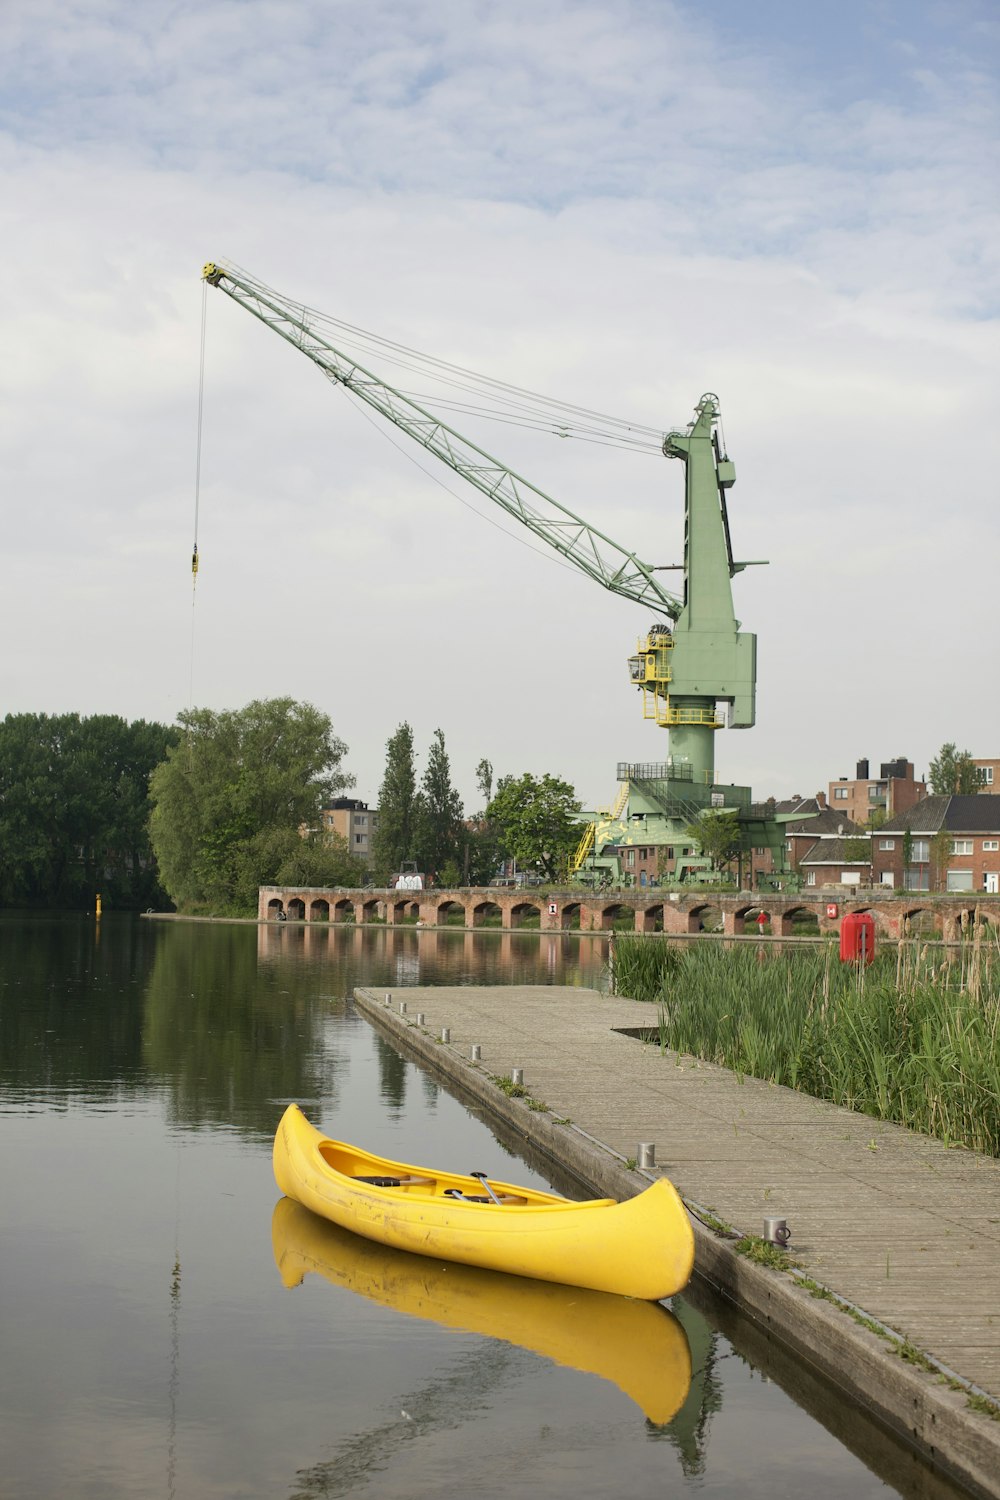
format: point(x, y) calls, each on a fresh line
point(915, 1038)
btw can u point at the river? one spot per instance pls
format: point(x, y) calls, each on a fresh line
point(169, 1328)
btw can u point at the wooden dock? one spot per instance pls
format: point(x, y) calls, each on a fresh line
point(900, 1228)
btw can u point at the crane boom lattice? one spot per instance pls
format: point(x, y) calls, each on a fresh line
point(611, 565)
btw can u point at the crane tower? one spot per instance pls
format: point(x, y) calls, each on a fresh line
point(695, 668)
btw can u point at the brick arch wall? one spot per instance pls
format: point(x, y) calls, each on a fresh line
point(652, 908)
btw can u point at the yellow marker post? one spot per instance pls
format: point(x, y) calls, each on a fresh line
point(97, 906)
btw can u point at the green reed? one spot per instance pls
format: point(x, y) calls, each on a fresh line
point(915, 1038)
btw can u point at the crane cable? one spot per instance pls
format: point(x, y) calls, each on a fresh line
point(197, 480)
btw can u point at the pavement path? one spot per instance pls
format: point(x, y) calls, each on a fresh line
point(893, 1222)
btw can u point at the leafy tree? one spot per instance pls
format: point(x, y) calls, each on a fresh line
point(74, 809)
point(940, 852)
point(953, 772)
point(398, 807)
point(857, 849)
point(717, 835)
point(482, 854)
point(533, 819)
point(439, 815)
point(322, 858)
point(233, 794)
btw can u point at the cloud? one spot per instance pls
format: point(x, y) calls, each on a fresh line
point(623, 204)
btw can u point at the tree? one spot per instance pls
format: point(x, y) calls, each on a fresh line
point(953, 772)
point(321, 858)
point(439, 814)
point(717, 835)
point(233, 795)
point(484, 779)
point(533, 818)
point(940, 852)
point(398, 807)
point(74, 809)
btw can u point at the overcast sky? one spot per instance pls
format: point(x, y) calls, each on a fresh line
point(621, 203)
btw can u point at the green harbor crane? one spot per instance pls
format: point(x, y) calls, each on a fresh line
point(695, 668)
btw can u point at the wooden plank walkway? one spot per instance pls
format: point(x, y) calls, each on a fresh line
point(898, 1224)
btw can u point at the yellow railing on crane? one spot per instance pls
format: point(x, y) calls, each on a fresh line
point(585, 845)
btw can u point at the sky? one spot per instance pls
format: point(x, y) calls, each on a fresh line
point(618, 203)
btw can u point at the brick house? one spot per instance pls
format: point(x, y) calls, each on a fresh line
point(834, 861)
point(946, 844)
point(892, 791)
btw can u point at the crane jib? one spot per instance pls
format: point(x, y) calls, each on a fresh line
point(590, 550)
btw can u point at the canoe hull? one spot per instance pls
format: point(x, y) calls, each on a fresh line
point(641, 1248)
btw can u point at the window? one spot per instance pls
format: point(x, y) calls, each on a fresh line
point(359, 838)
point(961, 846)
point(887, 843)
point(960, 880)
point(917, 878)
point(840, 793)
point(920, 851)
point(990, 846)
point(811, 877)
point(984, 775)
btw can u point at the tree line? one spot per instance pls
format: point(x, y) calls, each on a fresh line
point(528, 819)
point(201, 813)
point(74, 809)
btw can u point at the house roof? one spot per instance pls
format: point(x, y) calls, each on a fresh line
point(926, 816)
point(829, 822)
point(834, 852)
point(955, 814)
point(973, 815)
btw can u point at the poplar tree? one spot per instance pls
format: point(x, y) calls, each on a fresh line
point(439, 818)
point(398, 805)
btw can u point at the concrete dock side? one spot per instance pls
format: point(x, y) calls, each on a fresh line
point(900, 1228)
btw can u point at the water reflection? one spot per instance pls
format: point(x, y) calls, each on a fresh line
point(71, 1016)
point(435, 955)
point(226, 1040)
point(639, 1346)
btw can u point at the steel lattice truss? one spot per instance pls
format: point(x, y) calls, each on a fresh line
point(588, 549)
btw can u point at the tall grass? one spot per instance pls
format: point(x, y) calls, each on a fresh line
point(915, 1038)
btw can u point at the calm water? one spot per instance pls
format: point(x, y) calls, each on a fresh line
point(168, 1328)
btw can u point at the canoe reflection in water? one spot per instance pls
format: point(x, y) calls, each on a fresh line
point(639, 1346)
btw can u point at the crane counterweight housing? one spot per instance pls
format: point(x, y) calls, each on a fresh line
point(695, 669)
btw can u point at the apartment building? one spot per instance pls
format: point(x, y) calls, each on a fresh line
point(354, 821)
point(891, 792)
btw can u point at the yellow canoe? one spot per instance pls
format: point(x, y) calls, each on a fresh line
point(641, 1248)
point(638, 1346)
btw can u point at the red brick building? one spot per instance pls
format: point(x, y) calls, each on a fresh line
point(941, 844)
